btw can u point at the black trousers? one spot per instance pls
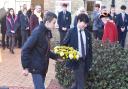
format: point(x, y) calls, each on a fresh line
point(122, 38)
point(11, 42)
point(18, 39)
point(5, 40)
point(24, 35)
point(80, 76)
point(98, 34)
point(62, 35)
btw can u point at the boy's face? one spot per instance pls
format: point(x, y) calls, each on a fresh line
point(51, 25)
point(82, 25)
point(64, 8)
point(38, 9)
point(112, 10)
point(97, 8)
point(123, 11)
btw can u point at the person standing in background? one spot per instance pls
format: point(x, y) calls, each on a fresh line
point(30, 11)
point(80, 10)
point(122, 24)
point(3, 32)
point(110, 29)
point(64, 22)
point(113, 14)
point(36, 17)
point(97, 23)
point(24, 24)
point(18, 32)
point(11, 24)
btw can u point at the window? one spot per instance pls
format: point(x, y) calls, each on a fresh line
point(90, 5)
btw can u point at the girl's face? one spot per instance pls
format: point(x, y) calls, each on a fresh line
point(11, 12)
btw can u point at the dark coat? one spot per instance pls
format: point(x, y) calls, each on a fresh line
point(3, 25)
point(75, 21)
point(29, 12)
point(71, 40)
point(10, 26)
point(113, 17)
point(64, 22)
point(24, 21)
point(34, 21)
point(18, 20)
point(97, 22)
point(36, 51)
point(120, 23)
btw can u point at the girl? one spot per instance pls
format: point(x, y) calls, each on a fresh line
point(11, 29)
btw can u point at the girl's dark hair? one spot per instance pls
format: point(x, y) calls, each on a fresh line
point(9, 15)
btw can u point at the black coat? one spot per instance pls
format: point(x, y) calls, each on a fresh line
point(3, 25)
point(120, 23)
point(64, 22)
point(36, 51)
point(113, 17)
point(71, 40)
point(24, 22)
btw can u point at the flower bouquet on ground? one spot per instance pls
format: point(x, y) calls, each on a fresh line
point(69, 55)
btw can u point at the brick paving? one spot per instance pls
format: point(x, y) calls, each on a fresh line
point(11, 71)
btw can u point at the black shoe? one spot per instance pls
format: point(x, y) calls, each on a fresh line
point(3, 48)
point(12, 52)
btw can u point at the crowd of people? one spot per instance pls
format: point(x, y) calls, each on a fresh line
point(110, 26)
point(16, 29)
point(31, 30)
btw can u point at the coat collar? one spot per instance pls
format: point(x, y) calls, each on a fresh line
point(45, 30)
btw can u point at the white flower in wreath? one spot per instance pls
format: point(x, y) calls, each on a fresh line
point(61, 54)
point(71, 56)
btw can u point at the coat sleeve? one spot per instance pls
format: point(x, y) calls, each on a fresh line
point(17, 24)
point(69, 20)
point(59, 20)
point(67, 38)
point(27, 48)
point(32, 24)
point(53, 55)
point(8, 25)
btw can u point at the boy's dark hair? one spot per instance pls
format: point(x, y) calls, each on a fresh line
point(83, 18)
point(123, 7)
point(49, 16)
point(97, 5)
point(64, 4)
